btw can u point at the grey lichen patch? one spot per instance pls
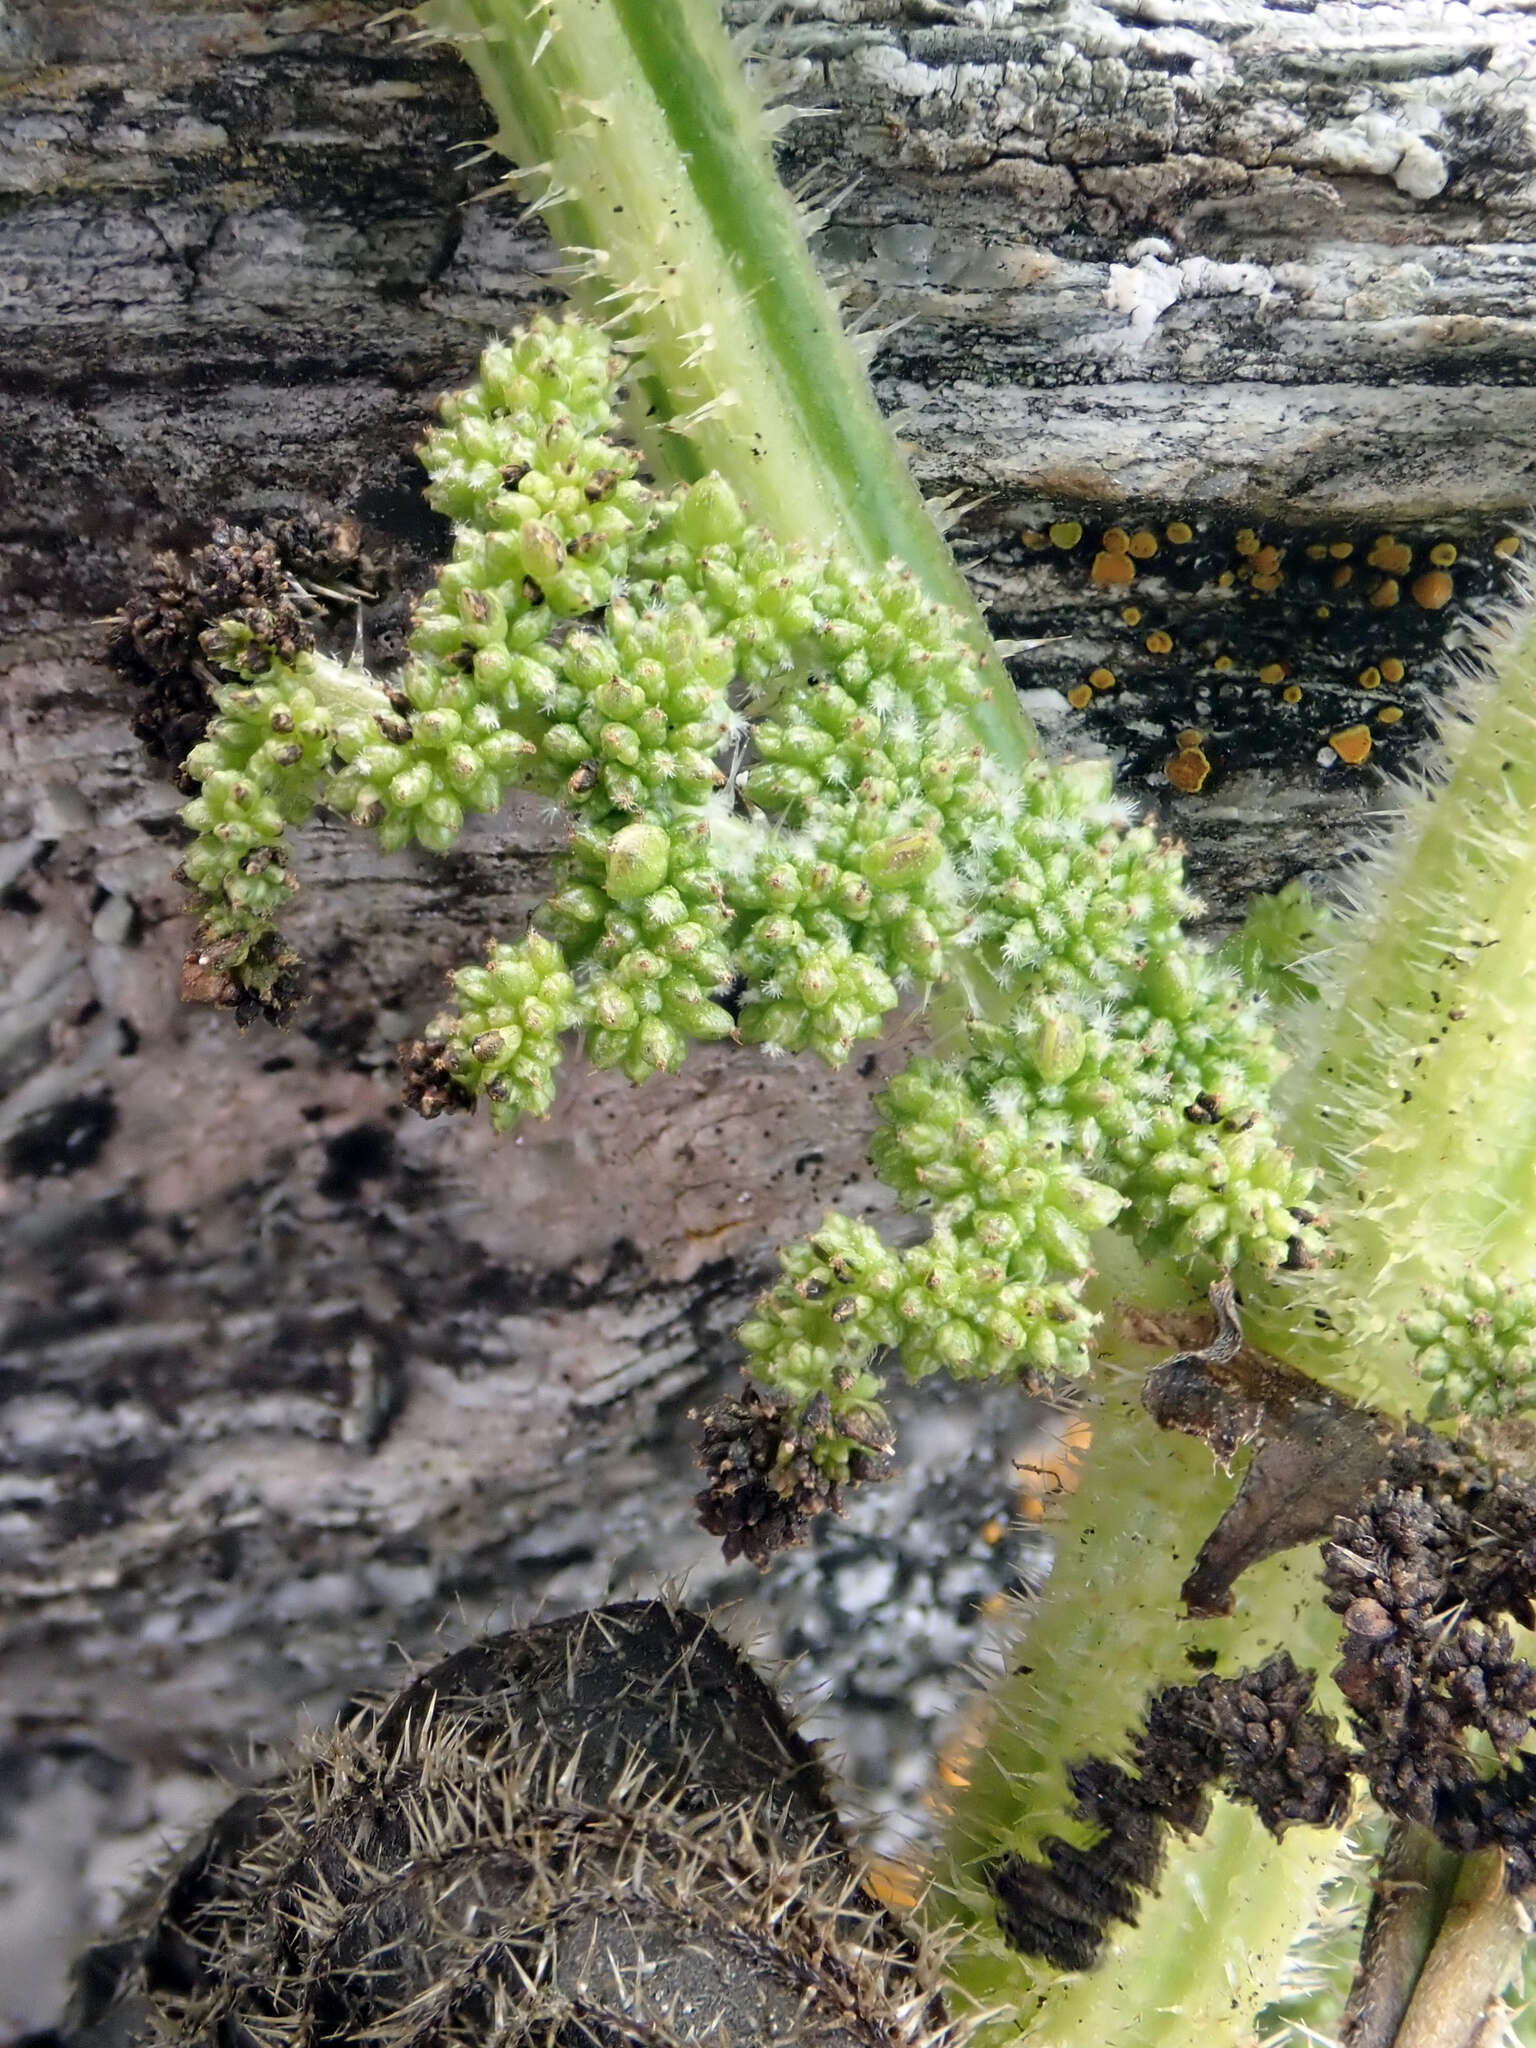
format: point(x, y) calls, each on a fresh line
point(1391, 116)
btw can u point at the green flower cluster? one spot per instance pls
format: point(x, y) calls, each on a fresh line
point(545, 507)
point(1475, 1343)
point(780, 819)
point(993, 1288)
point(507, 1030)
point(262, 766)
point(1132, 1078)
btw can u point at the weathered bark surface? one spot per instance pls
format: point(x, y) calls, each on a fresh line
point(286, 1375)
point(1360, 182)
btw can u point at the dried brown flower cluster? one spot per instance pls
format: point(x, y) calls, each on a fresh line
point(157, 637)
point(1426, 1576)
point(1255, 1736)
point(765, 1486)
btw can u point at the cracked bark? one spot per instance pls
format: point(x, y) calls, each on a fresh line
point(286, 1376)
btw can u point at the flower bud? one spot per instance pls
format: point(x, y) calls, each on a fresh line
point(710, 515)
point(1168, 985)
point(542, 550)
point(412, 786)
point(898, 863)
point(638, 859)
point(1057, 1045)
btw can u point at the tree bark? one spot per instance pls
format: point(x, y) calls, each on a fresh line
point(287, 1375)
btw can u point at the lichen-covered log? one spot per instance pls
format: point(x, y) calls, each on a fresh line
point(1261, 274)
point(286, 1374)
point(603, 1828)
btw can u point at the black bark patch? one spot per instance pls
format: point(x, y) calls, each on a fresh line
point(61, 1139)
point(105, 1496)
point(363, 1153)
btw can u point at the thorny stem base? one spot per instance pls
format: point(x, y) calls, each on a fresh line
point(1105, 1634)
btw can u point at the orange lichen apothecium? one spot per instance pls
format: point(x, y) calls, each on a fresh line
point(1353, 745)
point(1189, 767)
point(1112, 568)
point(1389, 553)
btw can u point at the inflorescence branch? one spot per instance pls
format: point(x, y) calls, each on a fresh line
point(781, 822)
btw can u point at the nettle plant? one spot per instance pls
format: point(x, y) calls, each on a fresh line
point(782, 820)
point(694, 600)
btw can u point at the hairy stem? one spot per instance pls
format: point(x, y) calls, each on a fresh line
point(1436, 1001)
point(1420, 1091)
point(637, 133)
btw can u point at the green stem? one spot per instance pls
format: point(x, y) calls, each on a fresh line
point(657, 168)
point(1411, 1892)
point(1420, 1092)
point(1474, 1958)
